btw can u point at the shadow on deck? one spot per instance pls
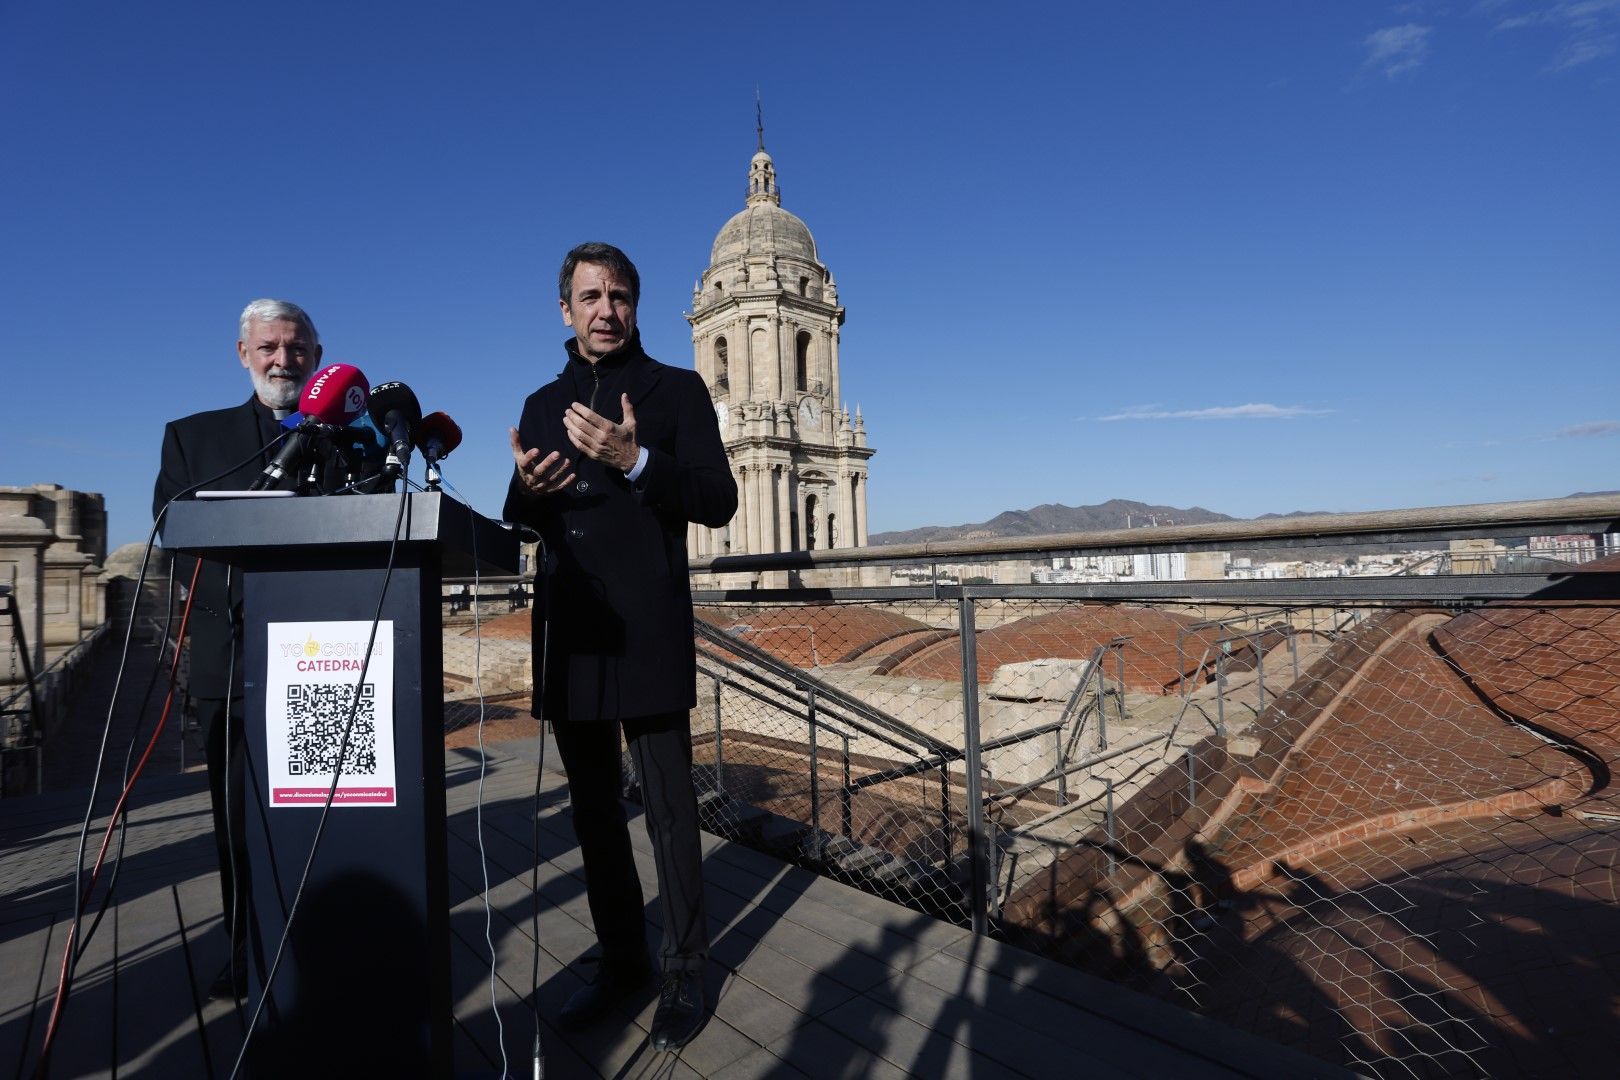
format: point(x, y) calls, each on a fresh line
point(809, 976)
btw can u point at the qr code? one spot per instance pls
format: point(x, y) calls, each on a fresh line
point(316, 714)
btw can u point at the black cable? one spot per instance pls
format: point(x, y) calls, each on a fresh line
point(81, 899)
point(230, 843)
point(331, 792)
point(129, 758)
point(140, 583)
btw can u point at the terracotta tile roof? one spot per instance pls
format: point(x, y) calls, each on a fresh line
point(1408, 852)
point(1152, 663)
point(1500, 945)
point(514, 626)
point(811, 635)
point(1407, 740)
point(1554, 668)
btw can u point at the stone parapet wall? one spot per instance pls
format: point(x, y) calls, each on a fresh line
point(53, 542)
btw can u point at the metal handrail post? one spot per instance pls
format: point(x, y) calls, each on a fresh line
point(1119, 651)
point(719, 745)
point(1108, 821)
point(978, 871)
point(847, 798)
point(1100, 696)
point(1063, 778)
point(1181, 662)
point(1260, 671)
point(815, 784)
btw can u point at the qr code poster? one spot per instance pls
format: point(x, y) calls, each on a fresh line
point(310, 699)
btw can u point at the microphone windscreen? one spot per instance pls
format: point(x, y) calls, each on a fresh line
point(394, 397)
point(437, 426)
point(336, 395)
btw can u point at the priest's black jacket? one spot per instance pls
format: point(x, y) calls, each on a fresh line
point(614, 609)
point(202, 449)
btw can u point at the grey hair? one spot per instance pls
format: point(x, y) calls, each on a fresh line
point(277, 311)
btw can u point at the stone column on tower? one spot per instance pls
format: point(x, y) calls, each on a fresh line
point(756, 516)
point(784, 523)
point(846, 511)
point(860, 510)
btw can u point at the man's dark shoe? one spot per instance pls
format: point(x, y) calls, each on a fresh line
point(680, 1013)
point(613, 984)
point(231, 982)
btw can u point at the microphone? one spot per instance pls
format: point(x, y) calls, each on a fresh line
point(336, 395)
point(303, 430)
point(396, 412)
point(438, 435)
point(360, 446)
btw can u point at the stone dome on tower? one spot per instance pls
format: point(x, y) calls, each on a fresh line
point(763, 227)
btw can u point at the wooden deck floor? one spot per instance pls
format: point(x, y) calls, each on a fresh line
point(809, 977)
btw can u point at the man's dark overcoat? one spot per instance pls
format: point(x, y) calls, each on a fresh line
point(614, 581)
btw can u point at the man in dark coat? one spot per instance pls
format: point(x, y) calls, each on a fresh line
point(614, 458)
point(223, 450)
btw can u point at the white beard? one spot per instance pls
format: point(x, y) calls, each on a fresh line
point(277, 393)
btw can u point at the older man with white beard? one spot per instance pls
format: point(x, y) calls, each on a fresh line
point(224, 450)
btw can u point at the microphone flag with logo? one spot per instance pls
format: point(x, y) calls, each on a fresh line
point(334, 396)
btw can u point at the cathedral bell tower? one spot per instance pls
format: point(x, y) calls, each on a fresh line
point(765, 318)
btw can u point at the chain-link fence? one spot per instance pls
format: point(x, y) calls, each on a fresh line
point(1370, 816)
point(488, 677)
point(795, 753)
point(1386, 833)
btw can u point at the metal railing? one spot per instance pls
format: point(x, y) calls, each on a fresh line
point(1318, 808)
point(23, 731)
point(35, 706)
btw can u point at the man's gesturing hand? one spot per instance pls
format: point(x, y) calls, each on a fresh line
point(600, 438)
point(540, 477)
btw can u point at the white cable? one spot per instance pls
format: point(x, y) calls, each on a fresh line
point(483, 767)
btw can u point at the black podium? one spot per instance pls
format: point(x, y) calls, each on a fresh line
point(364, 980)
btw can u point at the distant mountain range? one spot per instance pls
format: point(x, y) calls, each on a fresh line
point(1050, 518)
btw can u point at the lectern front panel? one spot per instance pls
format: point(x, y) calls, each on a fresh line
point(369, 946)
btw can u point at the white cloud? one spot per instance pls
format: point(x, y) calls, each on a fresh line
point(1258, 411)
point(1594, 429)
point(1395, 50)
point(1591, 28)
point(1583, 50)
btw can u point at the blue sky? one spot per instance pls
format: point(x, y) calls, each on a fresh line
point(1254, 257)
